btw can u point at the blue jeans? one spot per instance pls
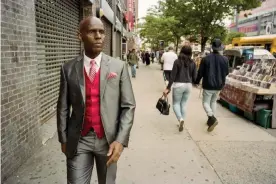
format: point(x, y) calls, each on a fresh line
point(209, 101)
point(180, 98)
point(133, 70)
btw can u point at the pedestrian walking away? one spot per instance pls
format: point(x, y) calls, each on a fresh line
point(143, 57)
point(160, 56)
point(98, 91)
point(152, 55)
point(182, 77)
point(157, 55)
point(147, 58)
point(213, 70)
point(133, 62)
point(168, 59)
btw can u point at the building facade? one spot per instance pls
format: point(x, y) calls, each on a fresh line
point(132, 16)
point(37, 36)
point(258, 21)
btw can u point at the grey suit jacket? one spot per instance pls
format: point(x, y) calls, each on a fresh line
point(117, 102)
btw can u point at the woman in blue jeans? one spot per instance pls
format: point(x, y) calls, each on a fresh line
point(182, 77)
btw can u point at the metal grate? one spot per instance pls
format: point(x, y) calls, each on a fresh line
point(108, 36)
point(57, 22)
point(110, 2)
point(118, 44)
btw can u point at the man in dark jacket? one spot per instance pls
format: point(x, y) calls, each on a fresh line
point(213, 69)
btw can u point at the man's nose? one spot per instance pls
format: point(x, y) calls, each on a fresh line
point(98, 35)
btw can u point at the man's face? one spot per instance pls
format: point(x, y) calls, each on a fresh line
point(93, 37)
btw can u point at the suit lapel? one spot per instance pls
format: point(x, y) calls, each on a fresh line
point(80, 73)
point(104, 72)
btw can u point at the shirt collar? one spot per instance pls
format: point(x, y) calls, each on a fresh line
point(87, 60)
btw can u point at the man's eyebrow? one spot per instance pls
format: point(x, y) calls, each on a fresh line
point(94, 28)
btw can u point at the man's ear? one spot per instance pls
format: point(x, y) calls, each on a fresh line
point(79, 36)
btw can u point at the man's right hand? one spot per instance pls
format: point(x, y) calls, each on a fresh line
point(63, 148)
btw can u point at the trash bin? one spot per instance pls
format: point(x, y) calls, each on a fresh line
point(235, 109)
point(250, 116)
point(223, 103)
point(264, 118)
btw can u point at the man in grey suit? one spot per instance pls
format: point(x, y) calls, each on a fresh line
point(95, 109)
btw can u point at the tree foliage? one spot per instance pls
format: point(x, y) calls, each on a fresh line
point(159, 25)
point(171, 19)
point(232, 35)
point(154, 29)
point(206, 16)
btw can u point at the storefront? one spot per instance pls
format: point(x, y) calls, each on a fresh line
point(57, 42)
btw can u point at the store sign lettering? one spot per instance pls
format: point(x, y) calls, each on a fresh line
point(247, 29)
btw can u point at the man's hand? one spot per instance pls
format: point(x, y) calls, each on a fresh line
point(114, 153)
point(63, 148)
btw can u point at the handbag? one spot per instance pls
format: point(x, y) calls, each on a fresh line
point(163, 105)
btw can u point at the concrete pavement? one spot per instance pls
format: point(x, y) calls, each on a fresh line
point(237, 152)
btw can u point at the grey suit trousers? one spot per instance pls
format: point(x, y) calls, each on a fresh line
point(79, 168)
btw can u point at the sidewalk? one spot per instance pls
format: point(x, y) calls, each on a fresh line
point(237, 152)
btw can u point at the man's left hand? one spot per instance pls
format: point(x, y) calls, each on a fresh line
point(114, 153)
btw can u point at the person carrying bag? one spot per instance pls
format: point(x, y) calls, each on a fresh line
point(183, 74)
point(163, 105)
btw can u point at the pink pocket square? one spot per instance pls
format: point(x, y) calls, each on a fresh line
point(111, 75)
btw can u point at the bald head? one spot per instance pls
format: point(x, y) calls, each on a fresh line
point(92, 35)
point(89, 21)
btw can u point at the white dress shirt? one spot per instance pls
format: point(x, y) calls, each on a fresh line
point(87, 64)
point(169, 59)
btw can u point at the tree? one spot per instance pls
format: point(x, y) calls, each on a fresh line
point(155, 29)
point(171, 19)
point(176, 12)
point(162, 23)
point(232, 35)
point(219, 32)
point(208, 15)
point(205, 17)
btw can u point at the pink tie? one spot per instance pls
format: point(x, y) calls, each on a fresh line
point(93, 70)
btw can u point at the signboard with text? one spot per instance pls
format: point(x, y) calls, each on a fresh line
point(130, 14)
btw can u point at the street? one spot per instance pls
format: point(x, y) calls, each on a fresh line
point(236, 152)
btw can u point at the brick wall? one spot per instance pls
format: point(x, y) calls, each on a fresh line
point(19, 106)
